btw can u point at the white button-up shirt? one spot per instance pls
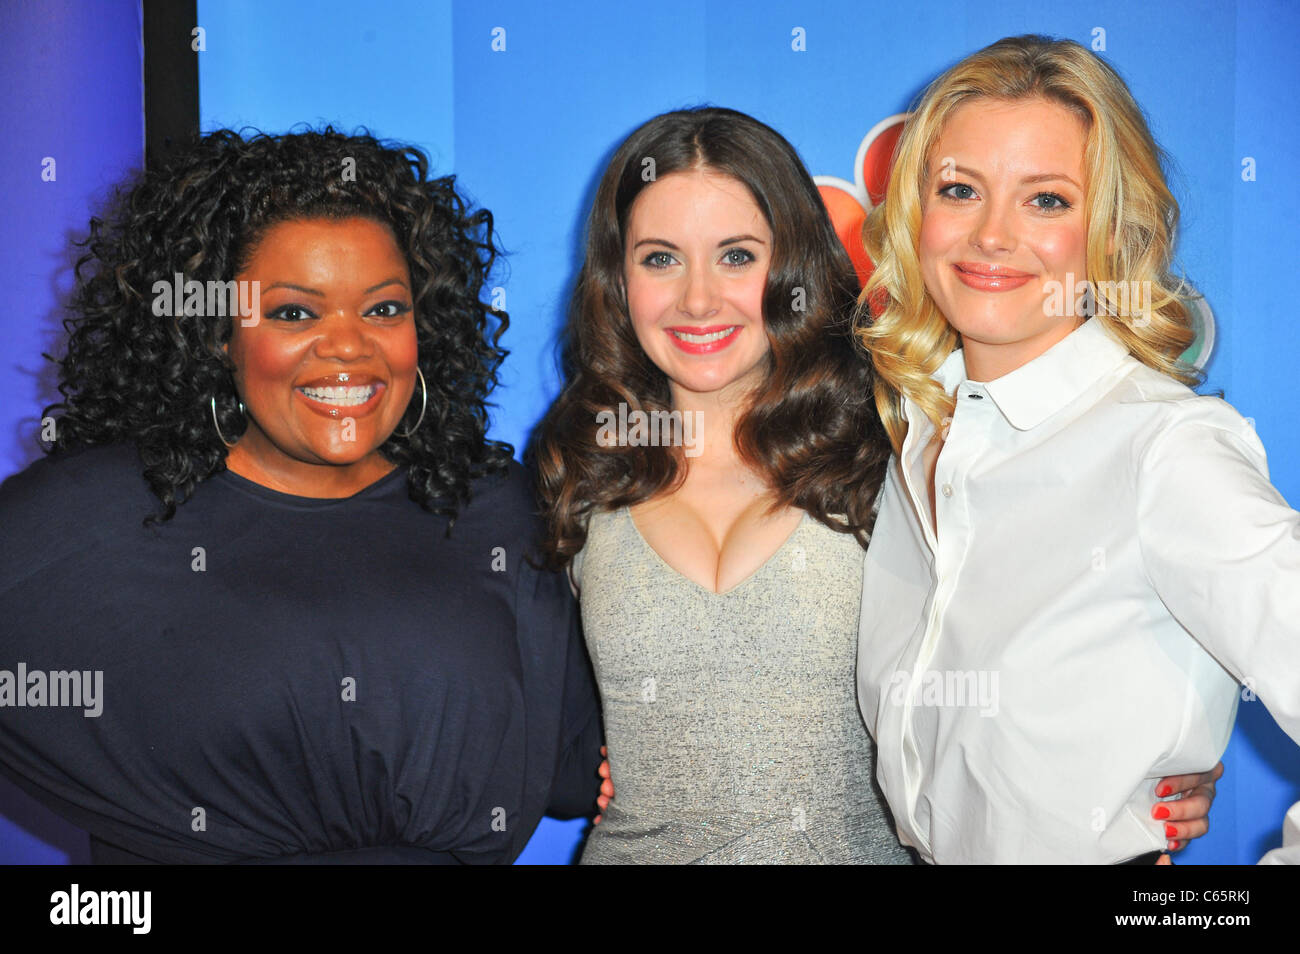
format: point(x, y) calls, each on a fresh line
point(1110, 561)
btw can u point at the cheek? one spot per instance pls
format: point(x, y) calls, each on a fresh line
point(402, 350)
point(263, 360)
point(749, 300)
point(935, 240)
point(1065, 249)
point(645, 304)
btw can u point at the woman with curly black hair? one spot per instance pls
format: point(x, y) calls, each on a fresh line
point(268, 598)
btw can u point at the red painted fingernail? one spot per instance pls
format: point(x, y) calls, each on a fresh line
point(1161, 812)
point(1171, 831)
point(1164, 791)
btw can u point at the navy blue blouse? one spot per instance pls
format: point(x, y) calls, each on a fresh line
point(287, 679)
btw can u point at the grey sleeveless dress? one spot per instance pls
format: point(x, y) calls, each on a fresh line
point(731, 718)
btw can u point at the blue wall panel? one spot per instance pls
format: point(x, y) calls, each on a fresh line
point(73, 95)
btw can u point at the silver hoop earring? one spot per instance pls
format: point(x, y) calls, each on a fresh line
point(217, 425)
point(424, 403)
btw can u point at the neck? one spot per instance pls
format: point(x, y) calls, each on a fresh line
point(288, 475)
point(716, 414)
point(988, 361)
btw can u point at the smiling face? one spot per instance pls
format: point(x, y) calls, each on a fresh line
point(695, 268)
point(329, 368)
point(1002, 217)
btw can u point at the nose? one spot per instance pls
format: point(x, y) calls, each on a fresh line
point(700, 293)
point(994, 228)
point(342, 337)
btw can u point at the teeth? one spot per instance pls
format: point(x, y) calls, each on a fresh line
point(344, 397)
point(705, 339)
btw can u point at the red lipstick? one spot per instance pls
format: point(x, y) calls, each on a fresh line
point(702, 340)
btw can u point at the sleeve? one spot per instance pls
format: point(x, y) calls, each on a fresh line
point(576, 782)
point(64, 520)
point(1222, 549)
point(1289, 853)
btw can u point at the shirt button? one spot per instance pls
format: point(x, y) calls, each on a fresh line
point(947, 490)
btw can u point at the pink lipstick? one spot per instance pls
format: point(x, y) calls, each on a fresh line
point(990, 277)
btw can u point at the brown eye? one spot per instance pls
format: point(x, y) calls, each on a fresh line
point(291, 313)
point(390, 309)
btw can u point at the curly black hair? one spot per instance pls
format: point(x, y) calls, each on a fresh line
point(129, 375)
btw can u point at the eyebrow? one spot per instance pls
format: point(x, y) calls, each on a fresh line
point(726, 241)
point(320, 294)
point(1027, 180)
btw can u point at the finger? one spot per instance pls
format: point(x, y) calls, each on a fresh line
point(1175, 845)
point(596, 820)
point(1184, 831)
point(607, 788)
point(606, 754)
point(602, 802)
point(603, 771)
point(1176, 783)
point(1186, 783)
point(1164, 860)
point(1182, 809)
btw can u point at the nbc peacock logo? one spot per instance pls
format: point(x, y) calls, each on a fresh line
point(849, 203)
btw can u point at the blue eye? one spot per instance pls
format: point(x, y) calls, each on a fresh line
point(737, 256)
point(1057, 203)
point(958, 190)
point(657, 260)
point(291, 313)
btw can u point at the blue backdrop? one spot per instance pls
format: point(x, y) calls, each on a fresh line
point(525, 102)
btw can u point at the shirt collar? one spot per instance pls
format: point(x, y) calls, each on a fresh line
point(950, 374)
point(1035, 391)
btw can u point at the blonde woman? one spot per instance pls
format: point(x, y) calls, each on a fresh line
point(1077, 558)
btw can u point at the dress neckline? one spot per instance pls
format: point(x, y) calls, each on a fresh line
point(253, 488)
point(627, 513)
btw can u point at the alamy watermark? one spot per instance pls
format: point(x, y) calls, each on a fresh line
point(61, 687)
point(211, 299)
point(1083, 299)
point(77, 906)
point(949, 688)
point(635, 428)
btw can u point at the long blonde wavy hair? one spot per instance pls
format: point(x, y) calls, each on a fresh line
point(1130, 214)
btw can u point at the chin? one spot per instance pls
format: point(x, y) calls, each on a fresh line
point(707, 384)
point(992, 327)
point(343, 454)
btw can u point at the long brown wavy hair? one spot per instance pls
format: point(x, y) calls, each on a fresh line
point(810, 429)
